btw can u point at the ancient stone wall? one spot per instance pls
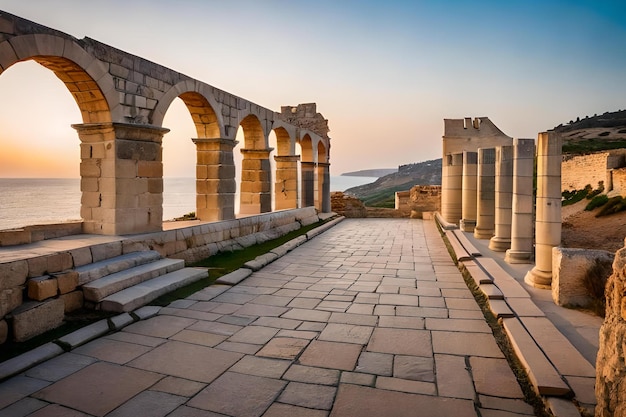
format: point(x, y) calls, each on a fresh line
point(610, 366)
point(35, 293)
point(347, 206)
point(579, 170)
point(618, 177)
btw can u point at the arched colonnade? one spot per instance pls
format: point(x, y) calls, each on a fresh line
point(123, 99)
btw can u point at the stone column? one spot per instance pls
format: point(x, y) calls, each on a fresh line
point(451, 187)
point(121, 178)
point(286, 186)
point(486, 204)
point(522, 218)
point(504, 196)
point(323, 186)
point(215, 179)
point(548, 223)
point(256, 195)
point(308, 183)
point(470, 171)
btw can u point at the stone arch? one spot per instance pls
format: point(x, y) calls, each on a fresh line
point(201, 104)
point(85, 77)
point(286, 185)
point(254, 134)
point(307, 171)
point(322, 183)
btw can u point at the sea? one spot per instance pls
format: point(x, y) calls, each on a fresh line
point(30, 201)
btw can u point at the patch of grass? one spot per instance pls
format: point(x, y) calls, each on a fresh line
point(226, 262)
point(592, 145)
point(612, 206)
point(597, 201)
point(385, 198)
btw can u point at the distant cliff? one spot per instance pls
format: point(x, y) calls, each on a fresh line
point(371, 172)
point(381, 193)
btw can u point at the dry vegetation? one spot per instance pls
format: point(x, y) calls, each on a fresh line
point(582, 229)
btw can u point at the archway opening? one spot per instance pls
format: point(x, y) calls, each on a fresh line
point(179, 162)
point(40, 152)
point(273, 145)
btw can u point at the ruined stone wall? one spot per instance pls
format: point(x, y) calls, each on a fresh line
point(619, 180)
point(610, 366)
point(305, 116)
point(579, 170)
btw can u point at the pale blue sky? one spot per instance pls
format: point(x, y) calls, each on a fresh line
point(385, 74)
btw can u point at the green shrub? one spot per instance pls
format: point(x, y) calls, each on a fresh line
point(597, 201)
point(597, 191)
point(571, 197)
point(613, 205)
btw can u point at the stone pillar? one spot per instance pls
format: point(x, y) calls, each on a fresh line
point(470, 179)
point(522, 212)
point(548, 223)
point(308, 183)
point(504, 196)
point(451, 187)
point(121, 178)
point(323, 187)
point(486, 205)
point(256, 194)
point(286, 186)
point(215, 179)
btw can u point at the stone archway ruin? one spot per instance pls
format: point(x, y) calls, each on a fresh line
point(123, 99)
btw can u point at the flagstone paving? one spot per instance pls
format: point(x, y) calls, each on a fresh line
point(370, 318)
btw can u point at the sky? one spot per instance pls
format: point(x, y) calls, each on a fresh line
point(384, 73)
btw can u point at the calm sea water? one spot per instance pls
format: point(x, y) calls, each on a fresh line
point(31, 201)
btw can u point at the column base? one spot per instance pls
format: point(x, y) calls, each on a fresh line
point(467, 225)
point(517, 257)
point(499, 244)
point(480, 233)
point(539, 279)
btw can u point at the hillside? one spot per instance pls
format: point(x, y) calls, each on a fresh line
point(592, 134)
point(381, 193)
point(371, 172)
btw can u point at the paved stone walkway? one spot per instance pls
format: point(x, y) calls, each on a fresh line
point(371, 318)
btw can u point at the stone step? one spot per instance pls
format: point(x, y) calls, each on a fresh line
point(463, 240)
point(96, 270)
point(460, 253)
point(142, 293)
point(544, 377)
point(99, 289)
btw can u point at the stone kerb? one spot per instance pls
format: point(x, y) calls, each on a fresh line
point(570, 268)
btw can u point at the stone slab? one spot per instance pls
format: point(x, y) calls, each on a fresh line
point(141, 294)
point(541, 372)
point(85, 334)
point(234, 277)
point(29, 359)
point(507, 284)
point(565, 357)
point(491, 291)
point(500, 309)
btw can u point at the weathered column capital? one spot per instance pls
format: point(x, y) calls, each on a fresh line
point(323, 164)
point(257, 153)
point(307, 163)
point(126, 131)
point(287, 158)
point(208, 142)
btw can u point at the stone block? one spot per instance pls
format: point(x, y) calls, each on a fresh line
point(14, 237)
point(42, 288)
point(34, 318)
point(81, 256)
point(73, 301)
point(106, 251)
point(37, 266)
point(67, 281)
point(10, 299)
point(58, 262)
point(571, 267)
point(13, 274)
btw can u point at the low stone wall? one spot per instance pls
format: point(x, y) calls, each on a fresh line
point(51, 284)
point(30, 234)
point(570, 268)
point(580, 170)
point(610, 366)
point(618, 180)
point(418, 200)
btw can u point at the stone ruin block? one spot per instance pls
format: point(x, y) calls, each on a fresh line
point(10, 299)
point(569, 268)
point(13, 274)
point(42, 288)
point(34, 318)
